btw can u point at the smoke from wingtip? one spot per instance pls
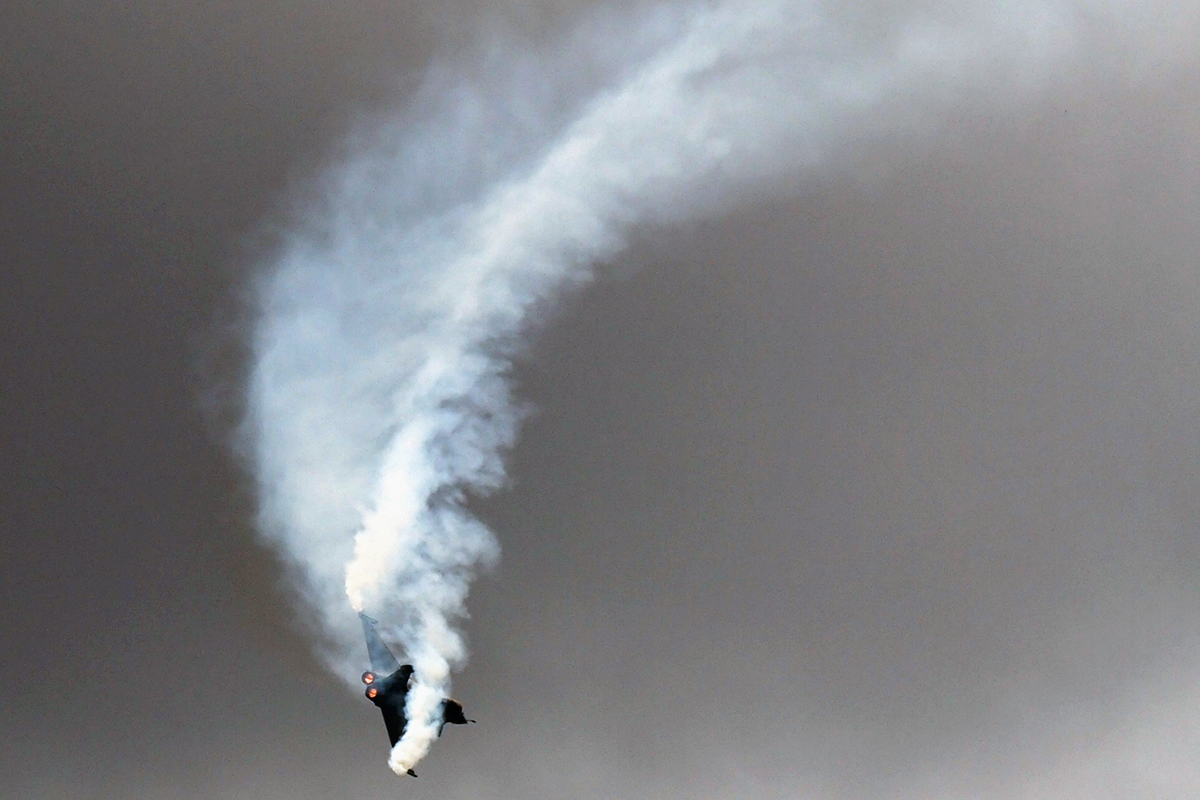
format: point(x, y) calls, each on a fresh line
point(379, 392)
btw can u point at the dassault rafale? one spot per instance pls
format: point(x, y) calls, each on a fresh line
point(388, 682)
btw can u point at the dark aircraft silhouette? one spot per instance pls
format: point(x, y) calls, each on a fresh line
point(387, 687)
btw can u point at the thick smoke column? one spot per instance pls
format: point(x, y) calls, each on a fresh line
point(379, 398)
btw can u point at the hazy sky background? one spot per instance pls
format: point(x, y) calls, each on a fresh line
point(881, 486)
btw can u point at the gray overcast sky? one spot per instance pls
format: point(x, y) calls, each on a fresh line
point(884, 487)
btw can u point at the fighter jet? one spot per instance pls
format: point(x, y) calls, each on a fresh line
point(388, 682)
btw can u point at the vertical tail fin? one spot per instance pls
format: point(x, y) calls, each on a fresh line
point(382, 660)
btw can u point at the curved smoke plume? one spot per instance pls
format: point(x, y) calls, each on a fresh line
point(379, 396)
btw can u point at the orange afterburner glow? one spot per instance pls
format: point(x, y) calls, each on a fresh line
point(368, 677)
point(371, 692)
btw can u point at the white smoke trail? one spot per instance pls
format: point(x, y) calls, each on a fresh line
point(379, 396)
